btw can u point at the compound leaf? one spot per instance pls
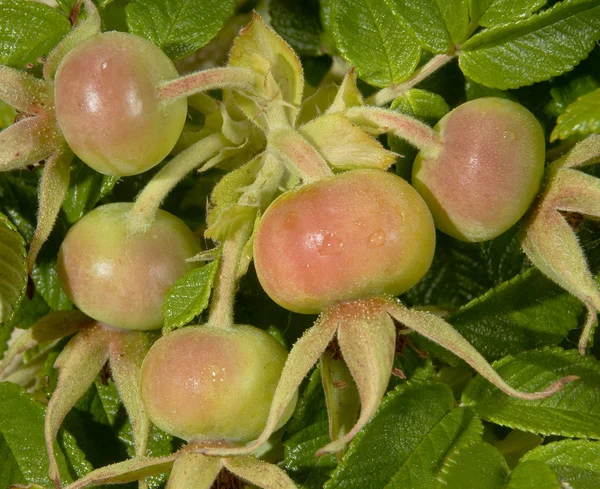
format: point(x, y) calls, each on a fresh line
point(372, 38)
point(495, 12)
point(535, 49)
point(178, 27)
point(582, 117)
point(189, 296)
point(573, 411)
point(22, 441)
point(575, 462)
point(408, 441)
point(437, 24)
point(13, 269)
point(28, 31)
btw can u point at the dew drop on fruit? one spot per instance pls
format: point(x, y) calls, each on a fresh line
point(330, 244)
point(376, 239)
point(509, 135)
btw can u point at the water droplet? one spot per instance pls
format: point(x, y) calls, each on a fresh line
point(330, 244)
point(376, 239)
point(509, 135)
point(104, 65)
point(174, 411)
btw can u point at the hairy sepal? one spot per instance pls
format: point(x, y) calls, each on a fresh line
point(367, 340)
point(127, 352)
point(51, 327)
point(23, 91)
point(127, 471)
point(303, 356)
point(439, 331)
point(194, 470)
point(345, 146)
point(27, 142)
point(299, 154)
point(88, 27)
point(77, 365)
point(550, 242)
point(348, 95)
point(260, 49)
point(54, 185)
point(258, 473)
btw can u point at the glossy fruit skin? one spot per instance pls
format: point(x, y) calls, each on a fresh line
point(121, 280)
point(358, 234)
point(488, 172)
point(206, 384)
point(107, 103)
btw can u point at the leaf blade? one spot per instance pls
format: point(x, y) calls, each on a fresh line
point(553, 42)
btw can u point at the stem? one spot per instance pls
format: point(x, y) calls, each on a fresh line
point(228, 78)
point(221, 310)
point(386, 95)
point(149, 200)
point(300, 154)
point(379, 121)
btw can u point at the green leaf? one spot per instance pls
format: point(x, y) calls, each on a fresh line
point(533, 475)
point(7, 115)
point(409, 441)
point(86, 188)
point(564, 95)
point(462, 271)
point(575, 462)
point(13, 269)
point(438, 24)
point(581, 117)
point(299, 24)
point(178, 27)
point(552, 42)
point(22, 428)
point(189, 296)
point(29, 30)
point(45, 278)
point(524, 313)
point(516, 444)
point(306, 433)
point(494, 12)
point(478, 465)
point(574, 411)
point(371, 37)
point(18, 201)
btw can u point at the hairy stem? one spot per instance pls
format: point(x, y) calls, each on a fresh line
point(386, 95)
point(295, 150)
point(221, 310)
point(200, 81)
point(149, 200)
point(379, 121)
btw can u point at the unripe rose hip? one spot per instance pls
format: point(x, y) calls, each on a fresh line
point(488, 170)
point(354, 235)
point(121, 280)
point(205, 384)
point(107, 103)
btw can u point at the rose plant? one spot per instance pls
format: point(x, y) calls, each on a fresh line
point(440, 304)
